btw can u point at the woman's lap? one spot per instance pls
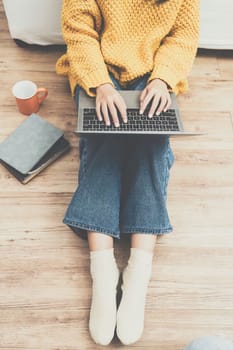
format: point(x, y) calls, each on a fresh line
point(122, 185)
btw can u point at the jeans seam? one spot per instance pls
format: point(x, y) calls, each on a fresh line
point(146, 230)
point(167, 170)
point(89, 227)
point(82, 159)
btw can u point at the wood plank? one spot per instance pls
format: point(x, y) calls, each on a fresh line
point(45, 286)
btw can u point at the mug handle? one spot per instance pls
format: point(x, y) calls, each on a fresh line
point(41, 93)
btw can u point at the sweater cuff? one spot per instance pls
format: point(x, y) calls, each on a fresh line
point(94, 79)
point(166, 74)
point(90, 82)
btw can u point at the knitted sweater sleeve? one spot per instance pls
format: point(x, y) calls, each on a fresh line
point(81, 23)
point(174, 58)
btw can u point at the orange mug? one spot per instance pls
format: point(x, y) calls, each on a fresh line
point(28, 96)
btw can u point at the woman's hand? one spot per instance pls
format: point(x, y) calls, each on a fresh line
point(108, 104)
point(157, 93)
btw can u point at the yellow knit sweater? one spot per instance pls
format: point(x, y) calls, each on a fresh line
point(128, 38)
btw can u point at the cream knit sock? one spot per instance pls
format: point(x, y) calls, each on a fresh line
point(130, 315)
point(105, 275)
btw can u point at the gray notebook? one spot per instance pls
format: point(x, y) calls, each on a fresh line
point(31, 147)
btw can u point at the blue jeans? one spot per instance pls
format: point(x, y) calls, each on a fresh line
point(122, 182)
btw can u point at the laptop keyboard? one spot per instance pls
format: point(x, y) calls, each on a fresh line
point(166, 121)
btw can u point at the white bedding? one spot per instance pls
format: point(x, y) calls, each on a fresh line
point(34, 21)
point(38, 22)
point(216, 30)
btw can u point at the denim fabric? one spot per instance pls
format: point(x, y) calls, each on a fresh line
point(122, 182)
point(210, 343)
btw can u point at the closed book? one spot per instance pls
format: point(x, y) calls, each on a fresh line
point(31, 147)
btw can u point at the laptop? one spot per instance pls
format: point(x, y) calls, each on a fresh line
point(167, 123)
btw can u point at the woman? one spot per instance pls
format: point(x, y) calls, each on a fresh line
point(150, 46)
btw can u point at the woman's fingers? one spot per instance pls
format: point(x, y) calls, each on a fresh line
point(161, 104)
point(145, 99)
point(154, 105)
point(104, 110)
point(156, 94)
point(116, 110)
point(142, 98)
point(110, 105)
point(122, 108)
point(98, 112)
point(113, 113)
point(168, 104)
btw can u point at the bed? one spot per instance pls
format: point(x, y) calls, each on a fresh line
point(38, 22)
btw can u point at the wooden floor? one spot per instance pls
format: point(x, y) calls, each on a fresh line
point(44, 267)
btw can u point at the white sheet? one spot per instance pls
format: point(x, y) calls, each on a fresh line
point(38, 22)
point(216, 30)
point(35, 21)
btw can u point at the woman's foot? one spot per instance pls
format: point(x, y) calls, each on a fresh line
point(130, 315)
point(105, 276)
